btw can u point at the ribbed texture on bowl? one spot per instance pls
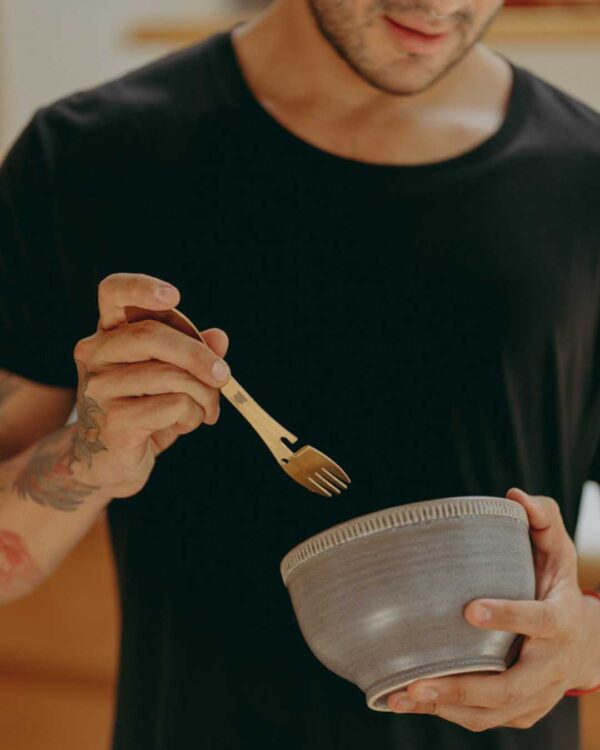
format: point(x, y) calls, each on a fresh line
point(402, 515)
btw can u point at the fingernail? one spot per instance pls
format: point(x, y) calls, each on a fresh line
point(165, 292)
point(220, 370)
point(404, 704)
point(481, 613)
point(427, 695)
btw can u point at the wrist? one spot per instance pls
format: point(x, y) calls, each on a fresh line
point(69, 476)
point(588, 677)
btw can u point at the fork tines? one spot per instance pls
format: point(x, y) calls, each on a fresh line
point(335, 484)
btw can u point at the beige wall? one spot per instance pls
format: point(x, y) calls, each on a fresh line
point(49, 48)
point(573, 66)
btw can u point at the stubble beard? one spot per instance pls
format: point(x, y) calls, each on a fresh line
point(347, 36)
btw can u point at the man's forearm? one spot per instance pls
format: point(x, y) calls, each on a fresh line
point(45, 509)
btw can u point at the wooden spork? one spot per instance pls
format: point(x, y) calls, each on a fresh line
point(308, 466)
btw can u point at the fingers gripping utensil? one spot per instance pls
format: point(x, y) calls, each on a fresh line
point(308, 466)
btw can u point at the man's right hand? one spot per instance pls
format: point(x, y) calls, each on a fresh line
point(141, 385)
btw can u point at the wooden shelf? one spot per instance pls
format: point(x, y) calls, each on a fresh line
point(515, 24)
point(542, 24)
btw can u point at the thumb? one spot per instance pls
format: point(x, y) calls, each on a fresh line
point(546, 525)
point(217, 340)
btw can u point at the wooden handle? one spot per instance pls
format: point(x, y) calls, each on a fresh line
point(268, 428)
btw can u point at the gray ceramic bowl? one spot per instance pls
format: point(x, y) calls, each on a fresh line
point(379, 599)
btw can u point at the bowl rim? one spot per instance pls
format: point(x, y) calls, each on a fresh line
point(411, 514)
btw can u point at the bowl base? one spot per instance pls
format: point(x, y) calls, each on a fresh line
point(377, 694)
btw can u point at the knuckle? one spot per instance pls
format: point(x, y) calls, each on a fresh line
point(111, 278)
point(523, 723)
point(205, 397)
point(187, 414)
point(83, 348)
point(461, 695)
point(198, 413)
point(553, 507)
point(108, 283)
point(190, 408)
point(212, 407)
point(144, 329)
point(196, 417)
point(478, 724)
point(182, 401)
point(551, 501)
point(195, 354)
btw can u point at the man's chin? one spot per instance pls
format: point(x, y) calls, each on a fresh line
point(407, 75)
point(420, 74)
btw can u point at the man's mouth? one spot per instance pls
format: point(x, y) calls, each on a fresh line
point(418, 38)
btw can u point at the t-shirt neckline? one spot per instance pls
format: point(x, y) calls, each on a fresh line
point(490, 146)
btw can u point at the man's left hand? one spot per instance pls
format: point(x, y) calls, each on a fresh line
point(560, 651)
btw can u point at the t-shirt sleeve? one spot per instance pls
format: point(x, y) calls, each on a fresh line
point(37, 334)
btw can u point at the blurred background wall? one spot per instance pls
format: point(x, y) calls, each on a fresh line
point(49, 48)
point(52, 47)
point(59, 646)
point(573, 65)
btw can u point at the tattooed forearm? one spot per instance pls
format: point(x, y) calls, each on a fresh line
point(18, 570)
point(48, 479)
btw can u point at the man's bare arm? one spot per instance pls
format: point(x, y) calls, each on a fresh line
point(45, 509)
point(39, 484)
point(141, 385)
point(28, 411)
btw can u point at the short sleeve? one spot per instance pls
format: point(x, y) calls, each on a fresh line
point(37, 334)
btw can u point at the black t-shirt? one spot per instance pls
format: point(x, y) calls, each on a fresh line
point(434, 328)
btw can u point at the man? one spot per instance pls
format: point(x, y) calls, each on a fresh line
point(398, 230)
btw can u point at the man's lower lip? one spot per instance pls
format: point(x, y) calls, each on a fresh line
point(414, 41)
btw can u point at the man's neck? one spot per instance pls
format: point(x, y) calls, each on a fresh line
point(301, 81)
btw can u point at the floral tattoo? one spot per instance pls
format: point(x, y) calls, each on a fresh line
point(48, 478)
point(86, 440)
